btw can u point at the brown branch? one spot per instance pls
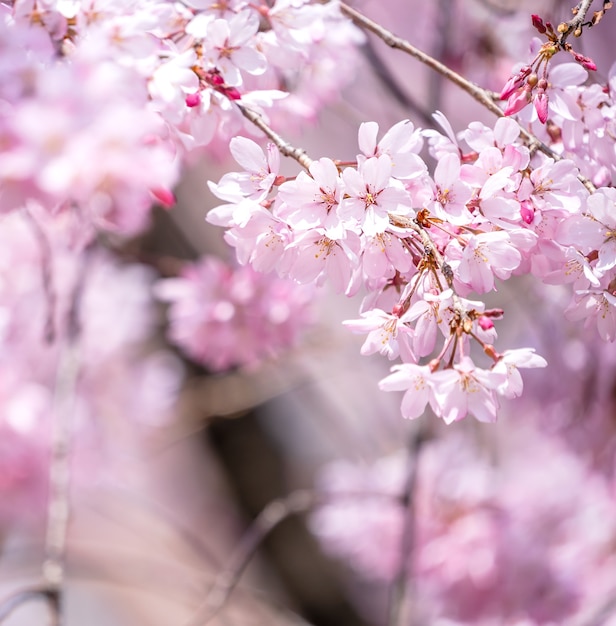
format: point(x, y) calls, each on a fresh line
point(397, 43)
point(574, 26)
point(483, 96)
point(283, 146)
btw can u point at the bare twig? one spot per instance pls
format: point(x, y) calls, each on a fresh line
point(384, 74)
point(47, 278)
point(401, 604)
point(483, 96)
point(283, 146)
point(393, 41)
point(274, 513)
point(574, 26)
point(23, 596)
point(58, 508)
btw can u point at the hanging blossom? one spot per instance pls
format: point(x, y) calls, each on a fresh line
point(105, 100)
point(492, 543)
point(419, 244)
point(225, 317)
point(542, 85)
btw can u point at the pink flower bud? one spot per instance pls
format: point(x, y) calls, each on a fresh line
point(515, 82)
point(232, 93)
point(541, 106)
point(527, 212)
point(538, 24)
point(485, 323)
point(164, 196)
point(193, 99)
point(517, 101)
point(586, 62)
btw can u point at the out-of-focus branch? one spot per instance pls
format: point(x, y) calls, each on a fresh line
point(274, 513)
point(65, 392)
point(284, 146)
point(401, 604)
point(389, 81)
point(14, 601)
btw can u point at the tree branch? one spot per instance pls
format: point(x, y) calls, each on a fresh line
point(401, 603)
point(274, 513)
point(283, 146)
point(14, 601)
point(393, 41)
point(483, 96)
point(574, 26)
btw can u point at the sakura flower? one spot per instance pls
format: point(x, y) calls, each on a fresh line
point(321, 254)
point(312, 201)
point(466, 389)
point(598, 307)
point(229, 46)
point(482, 257)
point(450, 193)
point(259, 175)
point(416, 381)
point(595, 230)
point(383, 255)
point(401, 143)
point(571, 266)
point(371, 195)
point(224, 317)
point(430, 314)
point(509, 364)
point(387, 334)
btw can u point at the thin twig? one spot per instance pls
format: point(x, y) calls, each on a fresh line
point(483, 96)
point(384, 74)
point(274, 513)
point(393, 41)
point(58, 508)
point(401, 604)
point(283, 146)
point(47, 277)
point(300, 501)
point(23, 596)
point(575, 25)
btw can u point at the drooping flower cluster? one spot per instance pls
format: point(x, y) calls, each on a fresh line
point(120, 385)
point(492, 543)
point(224, 317)
point(102, 101)
point(421, 244)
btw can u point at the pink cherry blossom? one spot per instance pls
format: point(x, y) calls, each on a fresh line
point(466, 389)
point(416, 381)
point(224, 317)
point(371, 195)
point(387, 334)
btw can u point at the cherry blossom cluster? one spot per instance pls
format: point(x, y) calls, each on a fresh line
point(531, 82)
point(103, 101)
point(224, 317)
point(419, 244)
point(492, 543)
